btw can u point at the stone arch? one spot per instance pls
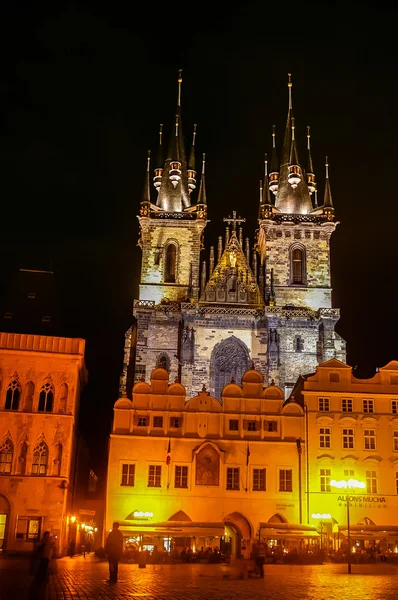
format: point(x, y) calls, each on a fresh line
point(240, 533)
point(163, 361)
point(179, 516)
point(229, 359)
point(277, 518)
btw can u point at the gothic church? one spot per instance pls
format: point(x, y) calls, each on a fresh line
point(267, 307)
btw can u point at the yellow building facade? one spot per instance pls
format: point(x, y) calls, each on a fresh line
point(352, 431)
point(41, 380)
point(201, 472)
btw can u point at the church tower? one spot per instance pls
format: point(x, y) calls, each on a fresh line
point(294, 245)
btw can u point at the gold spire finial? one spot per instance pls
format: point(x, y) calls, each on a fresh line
point(176, 125)
point(179, 86)
point(327, 167)
point(194, 134)
point(293, 128)
point(308, 137)
point(289, 85)
point(265, 164)
point(160, 134)
point(273, 136)
point(148, 160)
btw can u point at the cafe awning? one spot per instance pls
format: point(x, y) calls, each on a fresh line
point(371, 532)
point(174, 528)
point(287, 531)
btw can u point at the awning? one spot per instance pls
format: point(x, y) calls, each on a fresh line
point(287, 531)
point(174, 529)
point(372, 532)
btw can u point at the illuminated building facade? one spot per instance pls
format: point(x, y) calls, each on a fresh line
point(41, 380)
point(265, 306)
point(352, 432)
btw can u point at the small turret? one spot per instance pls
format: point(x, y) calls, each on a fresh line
point(274, 175)
point(157, 180)
point(266, 202)
point(294, 176)
point(191, 164)
point(310, 168)
point(175, 163)
point(328, 207)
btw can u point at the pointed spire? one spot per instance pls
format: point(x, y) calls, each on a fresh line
point(202, 199)
point(247, 250)
point(261, 207)
point(328, 202)
point(203, 278)
point(274, 174)
point(310, 168)
point(146, 195)
point(294, 176)
point(219, 248)
point(266, 198)
point(254, 264)
point(179, 87)
point(191, 162)
point(211, 261)
point(241, 237)
point(290, 85)
point(157, 180)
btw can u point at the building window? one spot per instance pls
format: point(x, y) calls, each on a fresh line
point(394, 405)
point(6, 455)
point(175, 422)
point(40, 459)
point(28, 528)
point(163, 362)
point(323, 404)
point(158, 421)
point(371, 482)
point(46, 398)
point(346, 405)
point(324, 437)
point(270, 426)
point(334, 377)
point(369, 439)
point(232, 478)
point(348, 438)
point(368, 406)
point(229, 359)
point(181, 477)
point(170, 264)
point(325, 476)
point(128, 474)
point(154, 476)
point(298, 344)
point(395, 441)
point(259, 480)
point(142, 421)
point(285, 480)
point(13, 395)
point(233, 425)
point(298, 266)
point(251, 426)
point(349, 473)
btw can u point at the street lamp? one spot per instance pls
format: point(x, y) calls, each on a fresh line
point(351, 484)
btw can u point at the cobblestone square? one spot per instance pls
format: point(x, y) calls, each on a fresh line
point(86, 579)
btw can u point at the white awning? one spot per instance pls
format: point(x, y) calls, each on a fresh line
point(174, 529)
point(287, 531)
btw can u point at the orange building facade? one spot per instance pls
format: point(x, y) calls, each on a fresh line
point(41, 381)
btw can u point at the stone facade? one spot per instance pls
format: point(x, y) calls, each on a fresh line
point(41, 380)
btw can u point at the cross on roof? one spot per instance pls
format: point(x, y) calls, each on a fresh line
point(234, 220)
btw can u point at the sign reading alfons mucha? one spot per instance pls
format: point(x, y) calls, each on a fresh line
point(208, 466)
point(364, 501)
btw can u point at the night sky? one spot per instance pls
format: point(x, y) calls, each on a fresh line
point(83, 89)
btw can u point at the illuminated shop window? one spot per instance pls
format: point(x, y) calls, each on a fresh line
point(369, 436)
point(259, 480)
point(371, 482)
point(325, 475)
point(324, 404)
point(324, 437)
point(285, 480)
point(181, 477)
point(6, 455)
point(128, 474)
point(155, 476)
point(346, 405)
point(28, 528)
point(233, 478)
point(348, 438)
point(13, 395)
point(368, 406)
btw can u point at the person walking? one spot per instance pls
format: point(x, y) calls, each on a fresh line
point(41, 560)
point(114, 549)
point(259, 557)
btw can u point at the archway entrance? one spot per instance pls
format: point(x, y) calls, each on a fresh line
point(238, 534)
point(229, 359)
point(4, 518)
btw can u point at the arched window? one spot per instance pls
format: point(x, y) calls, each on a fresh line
point(46, 398)
point(58, 460)
point(163, 362)
point(40, 459)
point(298, 265)
point(170, 264)
point(63, 398)
point(6, 454)
point(229, 359)
point(12, 396)
point(29, 393)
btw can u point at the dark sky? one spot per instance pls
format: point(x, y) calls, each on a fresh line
point(83, 88)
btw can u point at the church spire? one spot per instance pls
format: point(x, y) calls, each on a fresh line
point(274, 175)
point(310, 168)
point(202, 188)
point(157, 180)
point(328, 207)
point(146, 194)
point(266, 201)
point(294, 176)
point(191, 163)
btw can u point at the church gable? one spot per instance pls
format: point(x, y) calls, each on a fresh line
point(232, 281)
